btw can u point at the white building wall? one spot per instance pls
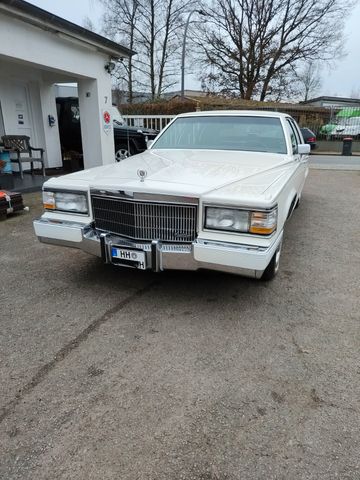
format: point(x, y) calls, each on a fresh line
point(38, 134)
point(42, 58)
point(23, 92)
point(56, 52)
point(93, 104)
point(14, 97)
point(66, 91)
point(51, 133)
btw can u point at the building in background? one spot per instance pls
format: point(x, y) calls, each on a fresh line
point(333, 102)
point(37, 51)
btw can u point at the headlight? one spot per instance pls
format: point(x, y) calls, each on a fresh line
point(243, 221)
point(65, 201)
point(227, 219)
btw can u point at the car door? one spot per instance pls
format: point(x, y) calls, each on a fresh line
point(301, 160)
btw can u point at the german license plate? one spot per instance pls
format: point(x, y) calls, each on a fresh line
point(128, 257)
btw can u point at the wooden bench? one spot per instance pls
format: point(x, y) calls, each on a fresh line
point(20, 145)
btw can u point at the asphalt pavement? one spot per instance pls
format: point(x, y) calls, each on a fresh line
point(108, 373)
point(335, 162)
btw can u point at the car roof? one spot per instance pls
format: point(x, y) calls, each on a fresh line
point(228, 113)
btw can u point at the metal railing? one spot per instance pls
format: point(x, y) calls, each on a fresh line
point(156, 122)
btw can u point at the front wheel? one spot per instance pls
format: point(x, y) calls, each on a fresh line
point(273, 267)
point(123, 151)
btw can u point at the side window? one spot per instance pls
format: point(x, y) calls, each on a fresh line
point(297, 132)
point(294, 142)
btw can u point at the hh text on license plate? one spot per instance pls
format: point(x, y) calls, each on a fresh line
point(135, 258)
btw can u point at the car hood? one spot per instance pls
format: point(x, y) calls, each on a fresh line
point(123, 129)
point(213, 175)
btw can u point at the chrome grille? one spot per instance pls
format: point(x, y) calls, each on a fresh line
point(142, 220)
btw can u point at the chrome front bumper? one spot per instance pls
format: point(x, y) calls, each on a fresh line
point(246, 260)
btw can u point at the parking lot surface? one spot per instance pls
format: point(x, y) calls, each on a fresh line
point(108, 373)
point(335, 162)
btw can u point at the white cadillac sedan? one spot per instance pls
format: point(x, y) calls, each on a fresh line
point(214, 191)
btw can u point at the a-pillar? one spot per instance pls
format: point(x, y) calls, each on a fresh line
point(96, 127)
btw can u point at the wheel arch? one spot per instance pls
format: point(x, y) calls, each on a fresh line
point(292, 200)
point(123, 142)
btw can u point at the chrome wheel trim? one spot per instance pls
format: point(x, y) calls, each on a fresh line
point(121, 154)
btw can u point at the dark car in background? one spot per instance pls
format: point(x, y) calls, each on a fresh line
point(128, 140)
point(309, 137)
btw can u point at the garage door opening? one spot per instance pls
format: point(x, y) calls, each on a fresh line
point(68, 113)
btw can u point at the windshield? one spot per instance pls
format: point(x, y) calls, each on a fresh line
point(254, 134)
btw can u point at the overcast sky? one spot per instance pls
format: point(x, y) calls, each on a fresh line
point(341, 81)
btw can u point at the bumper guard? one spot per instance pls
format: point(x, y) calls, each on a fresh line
point(246, 260)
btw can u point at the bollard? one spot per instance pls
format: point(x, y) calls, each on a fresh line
point(347, 146)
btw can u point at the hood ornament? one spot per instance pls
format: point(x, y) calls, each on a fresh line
point(142, 174)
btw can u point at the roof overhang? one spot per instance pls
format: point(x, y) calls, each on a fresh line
point(38, 17)
point(332, 99)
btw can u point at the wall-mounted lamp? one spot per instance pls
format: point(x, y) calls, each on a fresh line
point(109, 67)
point(51, 120)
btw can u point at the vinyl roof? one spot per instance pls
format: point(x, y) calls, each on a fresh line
point(37, 16)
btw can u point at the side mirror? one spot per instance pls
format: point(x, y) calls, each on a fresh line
point(149, 143)
point(303, 149)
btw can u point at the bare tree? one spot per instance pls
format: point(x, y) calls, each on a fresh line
point(120, 22)
point(151, 28)
point(355, 93)
point(250, 44)
point(309, 80)
point(88, 24)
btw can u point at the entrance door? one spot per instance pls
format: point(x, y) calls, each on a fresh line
point(22, 111)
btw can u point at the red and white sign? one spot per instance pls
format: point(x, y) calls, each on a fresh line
point(106, 121)
point(106, 116)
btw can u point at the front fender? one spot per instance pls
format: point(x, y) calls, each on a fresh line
point(291, 203)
